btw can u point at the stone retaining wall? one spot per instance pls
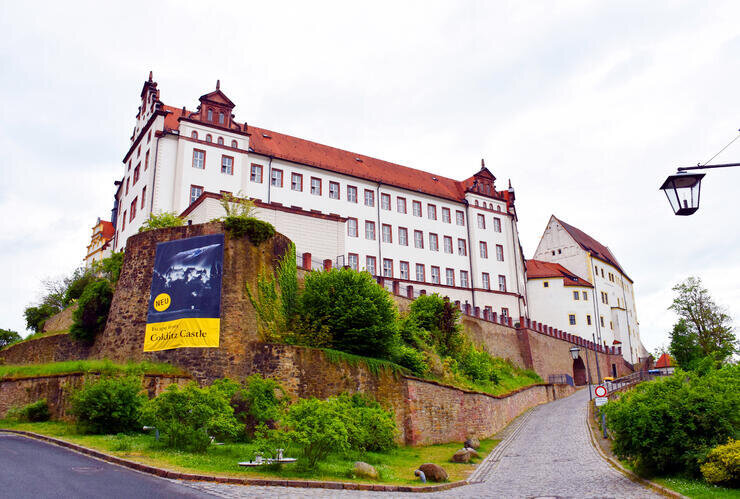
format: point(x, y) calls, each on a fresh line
point(52, 348)
point(61, 321)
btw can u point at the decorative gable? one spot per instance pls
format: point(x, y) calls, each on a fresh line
point(483, 182)
point(216, 108)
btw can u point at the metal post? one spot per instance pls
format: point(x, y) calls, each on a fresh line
point(598, 371)
point(603, 422)
point(588, 370)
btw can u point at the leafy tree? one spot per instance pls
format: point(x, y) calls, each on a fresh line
point(440, 319)
point(8, 337)
point(76, 285)
point(355, 313)
point(92, 311)
point(705, 321)
point(161, 221)
point(110, 268)
point(684, 347)
point(37, 316)
point(109, 405)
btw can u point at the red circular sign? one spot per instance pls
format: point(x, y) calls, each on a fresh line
point(600, 391)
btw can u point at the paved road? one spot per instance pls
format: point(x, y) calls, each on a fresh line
point(33, 469)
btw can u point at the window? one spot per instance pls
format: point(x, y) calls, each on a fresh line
point(446, 215)
point(418, 239)
point(199, 159)
point(486, 280)
point(611, 325)
point(403, 270)
point(545, 284)
point(143, 197)
point(149, 137)
point(576, 295)
point(385, 201)
point(353, 261)
point(386, 233)
point(499, 253)
point(401, 205)
point(601, 320)
point(123, 223)
point(296, 182)
point(234, 144)
point(496, 224)
point(210, 114)
point(420, 273)
point(462, 249)
point(352, 227)
point(194, 135)
point(370, 264)
point(502, 283)
point(127, 182)
point(136, 173)
point(483, 249)
point(146, 161)
point(585, 296)
point(209, 138)
point(572, 319)
point(435, 275)
point(431, 212)
point(387, 267)
point(450, 277)
point(316, 186)
point(433, 242)
point(276, 177)
point(138, 151)
point(369, 230)
point(448, 244)
point(351, 194)
point(505, 314)
point(403, 236)
point(132, 212)
point(195, 192)
point(333, 190)
point(221, 119)
point(227, 165)
point(460, 218)
point(602, 271)
point(220, 141)
point(369, 198)
point(588, 320)
point(416, 208)
point(464, 278)
point(481, 221)
point(255, 173)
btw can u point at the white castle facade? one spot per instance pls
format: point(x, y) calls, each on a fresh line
point(416, 231)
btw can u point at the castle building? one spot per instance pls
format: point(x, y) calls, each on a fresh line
point(416, 231)
point(101, 242)
point(575, 283)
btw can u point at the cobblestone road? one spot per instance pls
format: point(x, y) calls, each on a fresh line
point(545, 453)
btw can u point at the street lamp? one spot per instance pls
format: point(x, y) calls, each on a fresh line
point(683, 190)
point(575, 352)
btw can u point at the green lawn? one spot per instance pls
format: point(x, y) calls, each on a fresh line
point(395, 467)
point(85, 366)
point(697, 489)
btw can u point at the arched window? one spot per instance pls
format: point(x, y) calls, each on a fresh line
point(476, 202)
point(220, 141)
point(210, 114)
point(209, 138)
point(221, 118)
point(194, 135)
point(234, 144)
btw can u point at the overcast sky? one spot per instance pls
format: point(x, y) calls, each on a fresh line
point(584, 106)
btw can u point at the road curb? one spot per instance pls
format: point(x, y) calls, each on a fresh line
point(618, 466)
point(176, 475)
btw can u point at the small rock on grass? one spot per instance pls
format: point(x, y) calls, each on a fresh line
point(434, 472)
point(362, 469)
point(472, 443)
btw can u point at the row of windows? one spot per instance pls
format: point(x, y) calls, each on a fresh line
point(351, 193)
point(572, 320)
point(577, 295)
point(610, 276)
point(131, 212)
point(403, 239)
point(199, 162)
point(219, 140)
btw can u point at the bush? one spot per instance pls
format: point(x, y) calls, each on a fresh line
point(669, 425)
point(122, 443)
point(92, 311)
point(723, 464)
point(351, 310)
point(161, 221)
point(110, 267)
point(257, 402)
point(440, 319)
point(32, 413)
point(369, 426)
point(109, 405)
point(318, 428)
point(258, 231)
point(477, 365)
point(80, 280)
point(190, 416)
point(412, 359)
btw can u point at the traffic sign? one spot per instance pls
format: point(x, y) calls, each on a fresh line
point(600, 391)
point(599, 401)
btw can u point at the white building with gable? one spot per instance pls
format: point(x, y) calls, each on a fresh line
point(416, 231)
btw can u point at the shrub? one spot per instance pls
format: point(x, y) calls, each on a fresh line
point(190, 416)
point(92, 311)
point(258, 231)
point(257, 402)
point(318, 428)
point(32, 413)
point(110, 267)
point(161, 220)
point(355, 313)
point(122, 443)
point(477, 365)
point(669, 425)
point(723, 464)
point(80, 280)
point(412, 359)
point(109, 405)
point(369, 426)
point(440, 319)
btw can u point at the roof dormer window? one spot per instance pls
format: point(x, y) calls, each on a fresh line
point(210, 114)
point(221, 119)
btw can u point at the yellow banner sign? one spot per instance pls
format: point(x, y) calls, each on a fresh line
point(179, 333)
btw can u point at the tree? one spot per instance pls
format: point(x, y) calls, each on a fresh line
point(110, 267)
point(705, 320)
point(684, 347)
point(161, 221)
point(37, 316)
point(92, 311)
point(8, 337)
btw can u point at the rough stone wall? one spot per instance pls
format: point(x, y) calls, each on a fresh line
point(61, 321)
point(123, 338)
point(53, 348)
point(56, 390)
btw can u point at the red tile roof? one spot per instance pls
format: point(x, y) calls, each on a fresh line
point(537, 269)
point(108, 229)
point(594, 247)
point(278, 145)
point(665, 360)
